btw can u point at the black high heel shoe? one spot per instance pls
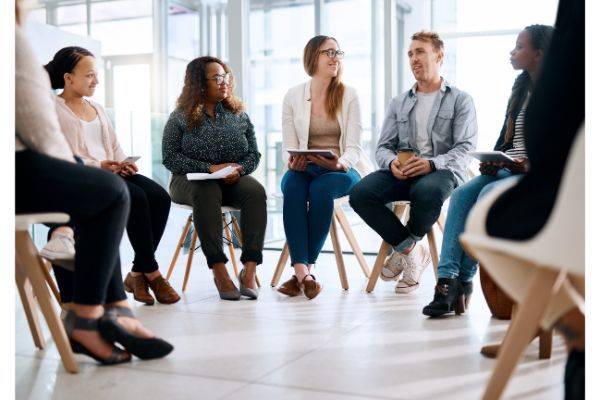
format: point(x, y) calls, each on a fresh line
point(72, 322)
point(449, 297)
point(144, 348)
point(468, 291)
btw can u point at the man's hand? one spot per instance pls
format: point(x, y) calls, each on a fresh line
point(396, 170)
point(416, 166)
point(297, 163)
point(112, 166)
point(327, 163)
point(488, 168)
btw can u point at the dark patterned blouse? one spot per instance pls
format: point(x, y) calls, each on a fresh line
point(228, 138)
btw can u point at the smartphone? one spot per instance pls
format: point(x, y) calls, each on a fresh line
point(131, 159)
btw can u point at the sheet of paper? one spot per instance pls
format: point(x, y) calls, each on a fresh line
point(220, 174)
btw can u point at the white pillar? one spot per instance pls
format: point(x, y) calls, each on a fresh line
point(237, 42)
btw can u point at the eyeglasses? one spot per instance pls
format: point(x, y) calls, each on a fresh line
point(220, 79)
point(333, 53)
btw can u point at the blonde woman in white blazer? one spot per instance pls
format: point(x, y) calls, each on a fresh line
point(321, 114)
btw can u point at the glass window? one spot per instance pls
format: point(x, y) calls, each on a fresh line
point(275, 59)
point(72, 18)
point(480, 64)
point(477, 15)
point(123, 26)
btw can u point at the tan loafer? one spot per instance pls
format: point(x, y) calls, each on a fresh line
point(138, 285)
point(311, 288)
point(163, 290)
point(290, 287)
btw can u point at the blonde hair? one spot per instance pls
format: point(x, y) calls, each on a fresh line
point(335, 91)
point(431, 37)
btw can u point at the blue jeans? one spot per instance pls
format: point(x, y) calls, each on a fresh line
point(308, 207)
point(454, 262)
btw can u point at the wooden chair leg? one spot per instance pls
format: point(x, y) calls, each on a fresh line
point(401, 211)
point(339, 256)
point(283, 257)
point(433, 250)
point(441, 222)
point(32, 263)
point(188, 267)
point(523, 327)
point(29, 305)
point(50, 281)
point(341, 217)
point(230, 246)
point(186, 229)
point(238, 234)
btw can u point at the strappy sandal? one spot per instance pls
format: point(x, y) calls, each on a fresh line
point(72, 322)
point(144, 348)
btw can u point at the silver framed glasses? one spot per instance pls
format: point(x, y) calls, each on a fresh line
point(333, 53)
point(221, 79)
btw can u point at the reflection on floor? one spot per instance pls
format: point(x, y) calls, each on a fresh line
point(341, 345)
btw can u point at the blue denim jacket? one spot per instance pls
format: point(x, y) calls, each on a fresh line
point(452, 127)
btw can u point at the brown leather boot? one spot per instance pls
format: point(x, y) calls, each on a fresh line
point(138, 285)
point(290, 287)
point(163, 291)
point(311, 288)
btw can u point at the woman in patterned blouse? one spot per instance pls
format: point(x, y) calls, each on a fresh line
point(209, 131)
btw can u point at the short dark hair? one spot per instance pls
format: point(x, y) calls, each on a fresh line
point(64, 62)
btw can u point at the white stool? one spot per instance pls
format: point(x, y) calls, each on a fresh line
point(224, 210)
point(31, 279)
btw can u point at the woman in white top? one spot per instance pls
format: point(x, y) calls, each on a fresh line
point(92, 138)
point(321, 114)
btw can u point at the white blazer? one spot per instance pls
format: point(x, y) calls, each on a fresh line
point(296, 120)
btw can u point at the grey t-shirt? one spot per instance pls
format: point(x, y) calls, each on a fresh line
point(422, 110)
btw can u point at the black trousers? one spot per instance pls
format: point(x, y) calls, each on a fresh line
point(207, 197)
point(426, 194)
point(98, 203)
point(150, 206)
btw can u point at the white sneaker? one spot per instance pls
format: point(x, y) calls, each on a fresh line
point(393, 266)
point(60, 247)
point(416, 262)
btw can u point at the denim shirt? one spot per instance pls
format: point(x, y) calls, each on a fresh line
point(452, 129)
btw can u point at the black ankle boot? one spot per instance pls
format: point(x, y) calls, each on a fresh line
point(467, 291)
point(449, 297)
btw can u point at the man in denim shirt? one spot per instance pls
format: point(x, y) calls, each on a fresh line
point(437, 123)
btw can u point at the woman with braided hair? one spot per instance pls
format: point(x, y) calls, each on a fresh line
point(456, 269)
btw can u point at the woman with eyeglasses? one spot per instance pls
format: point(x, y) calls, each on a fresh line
point(209, 131)
point(321, 114)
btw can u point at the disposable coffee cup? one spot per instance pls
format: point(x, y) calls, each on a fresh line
point(404, 155)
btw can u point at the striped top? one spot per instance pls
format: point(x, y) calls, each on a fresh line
point(518, 150)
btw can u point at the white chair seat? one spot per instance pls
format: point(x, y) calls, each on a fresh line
point(24, 221)
point(544, 274)
point(224, 209)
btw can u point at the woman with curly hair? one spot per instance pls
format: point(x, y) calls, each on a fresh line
point(209, 131)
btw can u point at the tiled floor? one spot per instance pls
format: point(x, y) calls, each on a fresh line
point(341, 345)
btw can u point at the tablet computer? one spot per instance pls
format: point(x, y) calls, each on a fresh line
point(491, 156)
point(324, 153)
